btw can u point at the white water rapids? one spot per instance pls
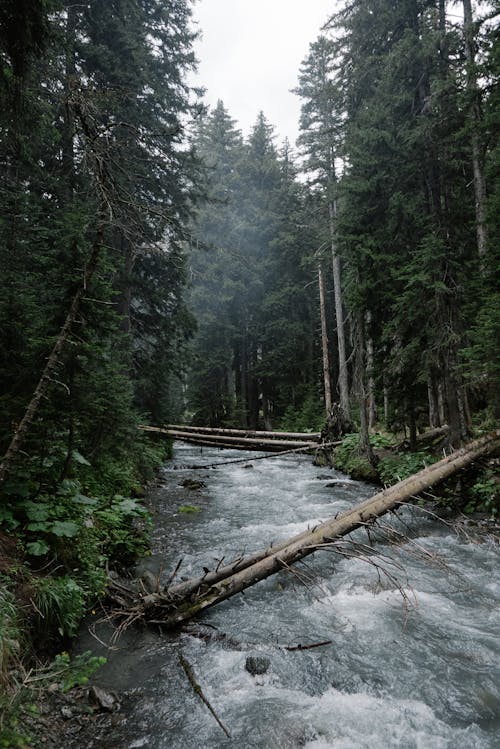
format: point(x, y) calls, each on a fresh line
point(414, 625)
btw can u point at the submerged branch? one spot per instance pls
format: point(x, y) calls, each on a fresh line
point(199, 691)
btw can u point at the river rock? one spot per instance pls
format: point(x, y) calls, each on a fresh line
point(105, 700)
point(193, 484)
point(257, 664)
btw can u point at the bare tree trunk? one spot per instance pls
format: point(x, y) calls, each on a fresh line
point(386, 406)
point(339, 315)
point(434, 420)
point(273, 444)
point(476, 117)
point(188, 599)
point(324, 344)
point(441, 406)
point(364, 432)
point(372, 406)
point(67, 141)
point(244, 380)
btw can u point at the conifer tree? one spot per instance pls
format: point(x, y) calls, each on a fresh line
point(321, 126)
point(113, 77)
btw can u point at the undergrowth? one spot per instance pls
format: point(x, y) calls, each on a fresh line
point(309, 417)
point(58, 539)
point(482, 494)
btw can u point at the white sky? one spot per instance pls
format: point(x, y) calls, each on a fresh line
point(250, 54)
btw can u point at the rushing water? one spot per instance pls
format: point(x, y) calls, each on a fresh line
point(414, 628)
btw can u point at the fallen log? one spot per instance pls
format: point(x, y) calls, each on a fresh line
point(304, 436)
point(425, 438)
point(226, 441)
point(179, 603)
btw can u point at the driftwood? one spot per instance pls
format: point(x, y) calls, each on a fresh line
point(182, 602)
point(199, 691)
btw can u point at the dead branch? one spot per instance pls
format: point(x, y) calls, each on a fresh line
point(198, 690)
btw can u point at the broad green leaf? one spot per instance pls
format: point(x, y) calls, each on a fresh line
point(36, 511)
point(78, 457)
point(42, 525)
point(129, 507)
point(37, 548)
point(65, 528)
point(81, 499)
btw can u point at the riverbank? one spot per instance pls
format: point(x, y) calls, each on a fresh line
point(56, 552)
point(343, 602)
point(83, 712)
point(475, 492)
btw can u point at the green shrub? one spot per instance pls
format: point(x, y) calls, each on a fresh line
point(310, 417)
point(349, 459)
point(397, 467)
point(10, 633)
point(484, 494)
point(60, 605)
point(74, 672)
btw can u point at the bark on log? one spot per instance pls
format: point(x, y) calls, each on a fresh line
point(244, 443)
point(297, 436)
point(425, 438)
point(182, 602)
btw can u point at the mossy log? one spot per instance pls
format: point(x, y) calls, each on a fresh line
point(182, 602)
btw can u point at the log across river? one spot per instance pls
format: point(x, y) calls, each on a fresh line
point(411, 624)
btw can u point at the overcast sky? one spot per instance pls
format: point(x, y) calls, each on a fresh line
point(250, 54)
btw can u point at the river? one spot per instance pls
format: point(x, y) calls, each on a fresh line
point(413, 624)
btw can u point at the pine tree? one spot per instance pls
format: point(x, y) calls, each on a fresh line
point(405, 217)
point(214, 270)
point(321, 126)
point(107, 96)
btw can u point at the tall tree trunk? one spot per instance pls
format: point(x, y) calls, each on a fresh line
point(361, 388)
point(440, 400)
point(475, 118)
point(67, 141)
point(452, 402)
point(324, 343)
point(244, 380)
point(434, 420)
point(386, 406)
point(339, 315)
point(372, 406)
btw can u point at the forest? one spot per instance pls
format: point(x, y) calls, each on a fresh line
point(159, 267)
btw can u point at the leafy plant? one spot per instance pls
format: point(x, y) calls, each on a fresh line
point(76, 671)
point(310, 416)
point(394, 468)
point(60, 603)
point(484, 495)
point(10, 634)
